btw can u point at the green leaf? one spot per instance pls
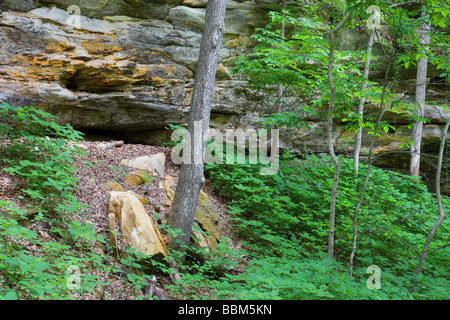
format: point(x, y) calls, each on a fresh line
point(11, 295)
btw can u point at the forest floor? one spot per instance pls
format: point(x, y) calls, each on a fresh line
point(104, 165)
point(107, 167)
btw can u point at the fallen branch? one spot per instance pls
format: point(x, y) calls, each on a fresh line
point(175, 276)
point(152, 291)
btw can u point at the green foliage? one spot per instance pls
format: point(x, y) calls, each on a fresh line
point(445, 175)
point(314, 278)
point(285, 217)
point(299, 62)
point(293, 61)
point(41, 153)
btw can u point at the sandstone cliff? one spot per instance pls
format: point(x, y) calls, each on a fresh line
point(126, 67)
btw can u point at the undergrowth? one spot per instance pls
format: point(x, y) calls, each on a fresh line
point(64, 264)
point(284, 220)
point(40, 153)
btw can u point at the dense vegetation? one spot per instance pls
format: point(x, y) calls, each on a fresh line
point(284, 219)
point(44, 167)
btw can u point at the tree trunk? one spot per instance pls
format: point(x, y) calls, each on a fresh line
point(441, 217)
point(191, 177)
point(421, 81)
point(361, 104)
point(282, 33)
point(366, 182)
point(337, 165)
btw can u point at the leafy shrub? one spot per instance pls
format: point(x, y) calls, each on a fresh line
point(41, 154)
point(297, 278)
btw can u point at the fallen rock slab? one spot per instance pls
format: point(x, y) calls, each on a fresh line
point(137, 227)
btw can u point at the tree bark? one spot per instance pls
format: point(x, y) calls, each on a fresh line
point(361, 104)
point(191, 176)
point(421, 81)
point(282, 33)
point(441, 217)
point(366, 182)
point(336, 163)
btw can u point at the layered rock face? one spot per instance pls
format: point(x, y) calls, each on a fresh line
point(109, 71)
point(127, 67)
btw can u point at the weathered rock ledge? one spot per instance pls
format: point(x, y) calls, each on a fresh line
point(127, 68)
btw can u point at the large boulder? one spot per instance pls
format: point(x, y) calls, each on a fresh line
point(138, 177)
point(153, 164)
point(136, 225)
point(208, 219)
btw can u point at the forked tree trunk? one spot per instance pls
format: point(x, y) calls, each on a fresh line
point(191, 177)
point(421, 81)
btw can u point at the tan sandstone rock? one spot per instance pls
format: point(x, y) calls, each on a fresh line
point(137, 227)
point(206, 217)
point(155, 163)
point(112, 185)
point(138, 177)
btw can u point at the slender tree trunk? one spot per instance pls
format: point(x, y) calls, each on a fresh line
point(441, 217)
point(361, 103)
point(336, 163)
point(421, 81)
point(366, 182)
point(282, 32)
point(191, 175)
